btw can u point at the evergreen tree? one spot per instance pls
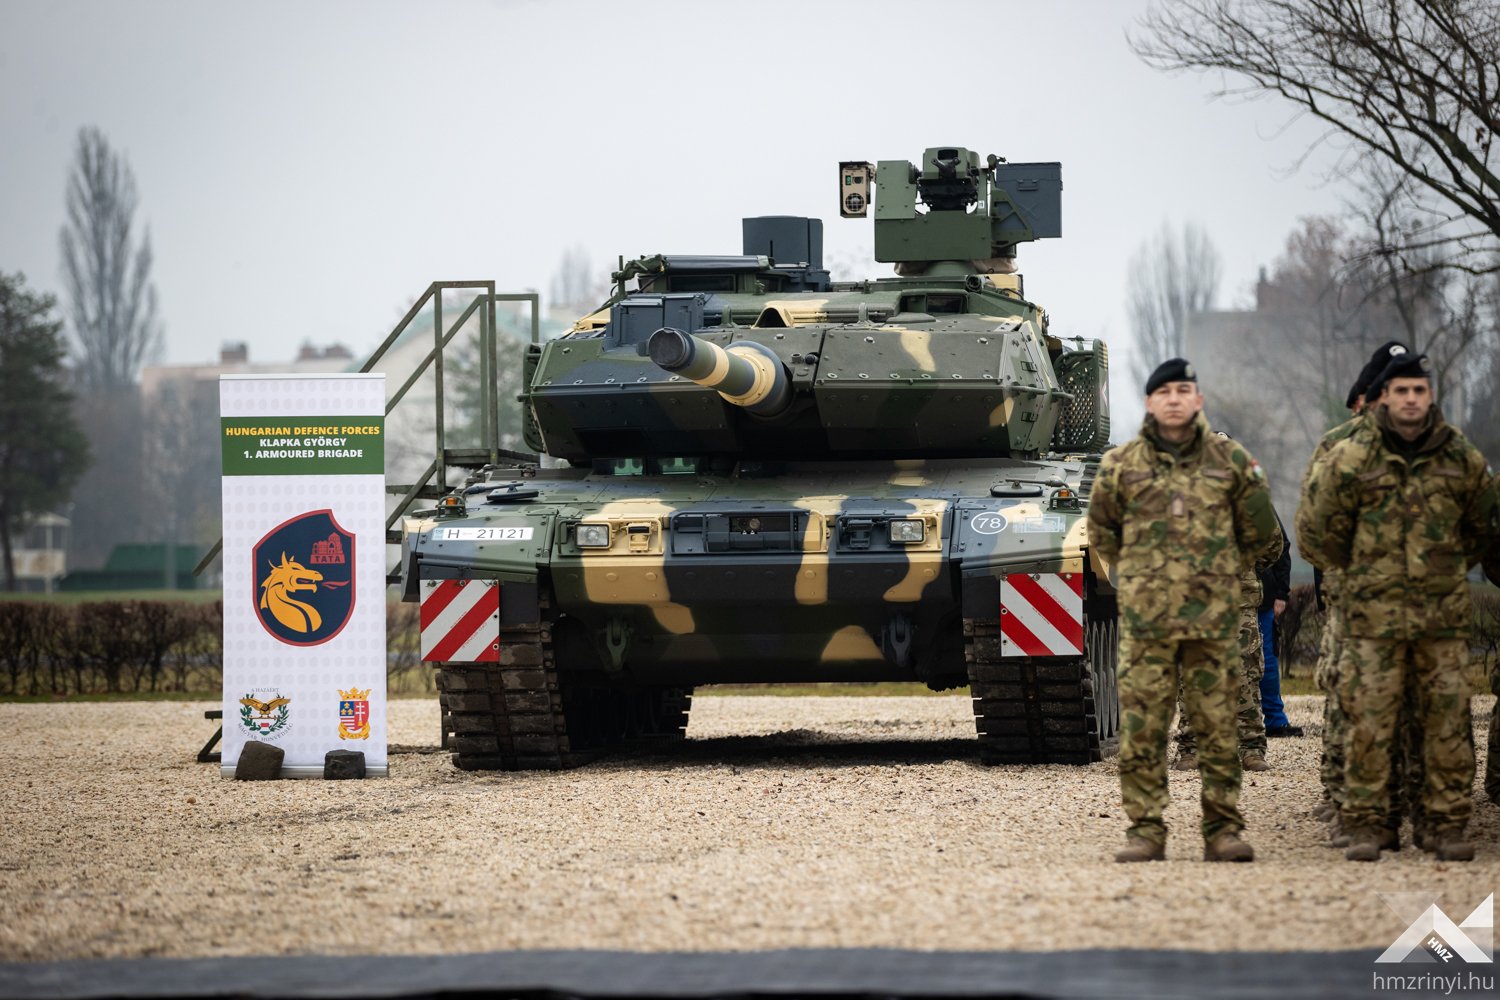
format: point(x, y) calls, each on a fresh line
point(42, 449)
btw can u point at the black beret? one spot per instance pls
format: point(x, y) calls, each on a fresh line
point(1383, 356)
point(1401, 366)
point(1171, 370)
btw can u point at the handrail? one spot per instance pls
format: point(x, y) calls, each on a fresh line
point(485, 295)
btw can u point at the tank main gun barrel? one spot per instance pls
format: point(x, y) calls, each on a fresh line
point(746, 374)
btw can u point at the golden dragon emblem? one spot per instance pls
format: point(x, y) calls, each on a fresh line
point(285, 579)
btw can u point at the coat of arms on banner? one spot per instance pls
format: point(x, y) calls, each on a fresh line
point(304, 579)
point(354, 714)
point(265, 713)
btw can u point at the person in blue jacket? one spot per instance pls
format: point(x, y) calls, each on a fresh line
point(1276, 587)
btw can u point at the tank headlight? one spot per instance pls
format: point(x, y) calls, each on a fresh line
point(593, 536)
point(908, 530)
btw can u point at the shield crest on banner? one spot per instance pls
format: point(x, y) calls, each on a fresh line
point(354, 714)
point(304, 579)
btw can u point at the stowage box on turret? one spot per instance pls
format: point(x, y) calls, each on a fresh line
point(768, 476)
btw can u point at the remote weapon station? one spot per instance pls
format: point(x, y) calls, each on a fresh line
point(766, 476)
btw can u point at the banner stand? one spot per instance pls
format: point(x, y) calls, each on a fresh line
point(304, 567)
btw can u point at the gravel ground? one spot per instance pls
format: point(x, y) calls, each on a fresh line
point(783, 822)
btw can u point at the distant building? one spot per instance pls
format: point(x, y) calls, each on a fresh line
point(41, 557)
point(139, 566)
point(234, 359)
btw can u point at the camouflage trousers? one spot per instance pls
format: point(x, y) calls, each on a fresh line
point(1148, 683)
point(1251, 722)
point(1335, 726)
point(1376, 676)
point(1406, 762)
point(1492, 758)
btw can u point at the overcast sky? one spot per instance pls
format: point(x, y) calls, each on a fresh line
point(307, 168)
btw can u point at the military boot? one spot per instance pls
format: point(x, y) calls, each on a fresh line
point(1141, 849)
point(1254, 762)
point(1365, 844)
point(1336, 835)
point(1187, 762)
point(1228, 846)
point(1447, 845)
point(1325, 812)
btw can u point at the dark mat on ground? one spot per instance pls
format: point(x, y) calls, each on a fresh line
point(841, 973)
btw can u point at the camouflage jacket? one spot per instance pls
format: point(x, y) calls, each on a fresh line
point(1302, 522)
point(1492, 551)
point(1178, 530)
point(1402, 531)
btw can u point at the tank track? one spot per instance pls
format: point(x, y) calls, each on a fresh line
point(523, 715)
point(1053, 710)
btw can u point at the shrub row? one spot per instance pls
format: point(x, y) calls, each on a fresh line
point(158, 646)
point(172, 646)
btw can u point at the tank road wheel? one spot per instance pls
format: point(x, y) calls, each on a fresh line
point(1041, 710)
point(1102, 644)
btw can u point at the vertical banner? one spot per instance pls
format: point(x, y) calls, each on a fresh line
point(304, 567)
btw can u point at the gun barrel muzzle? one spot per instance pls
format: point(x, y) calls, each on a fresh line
point(746, 374)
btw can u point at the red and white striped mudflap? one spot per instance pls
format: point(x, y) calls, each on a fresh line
point(460, 621)
point(1041, 614)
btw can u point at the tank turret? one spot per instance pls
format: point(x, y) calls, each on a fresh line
point(760, 355)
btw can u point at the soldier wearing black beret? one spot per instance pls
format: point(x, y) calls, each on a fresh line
point(1176, 515)
point(1402, 508)
point(1331, 642)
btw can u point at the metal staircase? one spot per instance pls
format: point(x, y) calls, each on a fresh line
point(434, 482)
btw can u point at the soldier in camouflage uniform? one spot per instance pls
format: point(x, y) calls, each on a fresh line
point(1177, 514)
point(1331, 641)
point(1401, 508)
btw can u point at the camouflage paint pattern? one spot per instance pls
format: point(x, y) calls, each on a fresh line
point(800, 604)
point(1149, 675)
point(869, 378)
point(1178, 530)
point(1374, 681)
point(731, 544)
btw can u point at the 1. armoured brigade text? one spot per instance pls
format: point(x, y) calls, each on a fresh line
point(768, 476)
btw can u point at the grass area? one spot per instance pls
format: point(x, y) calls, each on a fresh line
point(49, 699)
point(86, 596)
point(882, 689)
point(1301, 683)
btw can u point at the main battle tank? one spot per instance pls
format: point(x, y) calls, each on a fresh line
point(767, 476)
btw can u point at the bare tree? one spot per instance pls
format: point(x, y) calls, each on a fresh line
point(1171, 276)
point(1283, 370)
point(1446, 313)
point(1410, 84)
point(574, 285)
point(107, 271)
